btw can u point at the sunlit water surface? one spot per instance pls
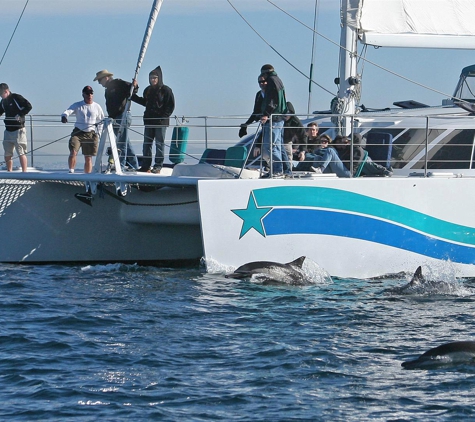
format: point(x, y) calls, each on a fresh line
point(124, 342)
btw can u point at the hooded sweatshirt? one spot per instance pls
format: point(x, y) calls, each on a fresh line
point(158, 101)
point(274, 96)
point(12, 106)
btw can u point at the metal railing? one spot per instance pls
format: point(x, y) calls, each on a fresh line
point(419, 144)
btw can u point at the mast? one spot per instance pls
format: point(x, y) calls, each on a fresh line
point(348, 58)
point(312, 58)
point(157, 4)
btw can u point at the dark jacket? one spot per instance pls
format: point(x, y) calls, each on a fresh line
point(158, 101)
point(294, 127)
point(117, 92)
point(274, 97)
point(257, 111)
point(12, 106)
point(344, 152)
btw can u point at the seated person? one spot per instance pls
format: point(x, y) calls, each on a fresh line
point(342, 145)
point(326, 159)
point(306, 151)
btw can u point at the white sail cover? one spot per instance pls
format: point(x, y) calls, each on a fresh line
point(414, 23)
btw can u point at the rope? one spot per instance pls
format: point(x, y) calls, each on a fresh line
point(121, 199)
point(280, 55)
point(11, 38)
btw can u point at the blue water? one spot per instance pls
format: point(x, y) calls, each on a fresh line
point(119, 342)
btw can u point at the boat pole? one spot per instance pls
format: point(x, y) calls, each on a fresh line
point(312, 58)
point(348, 57)
point(157, 4)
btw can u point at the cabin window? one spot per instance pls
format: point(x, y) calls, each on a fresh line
point(409, 144)
point(454, 151)
point(466, 89)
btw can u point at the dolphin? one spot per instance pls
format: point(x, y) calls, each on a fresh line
point(267, 271)
point(417, 280)
point(449, 354)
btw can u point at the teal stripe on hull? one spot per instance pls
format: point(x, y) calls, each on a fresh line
point(317, 197)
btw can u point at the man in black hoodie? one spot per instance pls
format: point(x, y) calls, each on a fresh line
point(159, 104)
point(15, 108)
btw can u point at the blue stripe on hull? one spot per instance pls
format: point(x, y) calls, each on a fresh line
point(281, 221)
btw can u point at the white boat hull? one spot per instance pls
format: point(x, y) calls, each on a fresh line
point(43, 222)
point(361, 227)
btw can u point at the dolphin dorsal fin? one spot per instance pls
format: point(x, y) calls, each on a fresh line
point(418, 274)
point(297, 262)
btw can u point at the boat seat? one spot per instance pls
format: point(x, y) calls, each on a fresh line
point(379, 146)
point(236, 156)
point(178, 144)
point(360, 167)
point(213, 156)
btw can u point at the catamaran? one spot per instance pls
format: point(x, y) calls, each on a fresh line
point(221, 210)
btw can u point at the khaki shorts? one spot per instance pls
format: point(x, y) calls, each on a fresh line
point(15, 140)
point(88, 141)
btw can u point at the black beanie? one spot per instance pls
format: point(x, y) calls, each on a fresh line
point(267, 68)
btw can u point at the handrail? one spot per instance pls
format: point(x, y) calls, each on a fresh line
point(428, 143)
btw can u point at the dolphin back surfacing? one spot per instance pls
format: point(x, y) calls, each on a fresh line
point(269, 271)
point(449, 354)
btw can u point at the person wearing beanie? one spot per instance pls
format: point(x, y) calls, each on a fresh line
point(116, 93)
point(15, 108)
point(159, 104)
point(86, 132)
point(256, 112)
point(274, 104)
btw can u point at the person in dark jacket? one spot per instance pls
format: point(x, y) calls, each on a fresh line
point(294, 133)
point(159, 104)
point(257, 110)
point(15, 108)
point(275, 104)
point(342, 144)
point(117, 92)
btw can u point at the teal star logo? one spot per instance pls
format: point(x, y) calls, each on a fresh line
point(252, 216)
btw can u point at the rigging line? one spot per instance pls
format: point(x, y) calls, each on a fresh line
point(280, 55)
point(312, 56)
point(11, 38)
point(363, 58)
point(38, 148)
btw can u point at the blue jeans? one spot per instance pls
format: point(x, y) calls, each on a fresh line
point(273, 146)
point(127, 154)
point(157, 134)
point(328, 157)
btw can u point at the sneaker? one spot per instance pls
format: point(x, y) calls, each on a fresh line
point(156, 170)
point(317, 170)
point(143, 170)
point(274, 176)
point(387, 173)
point(71, 170)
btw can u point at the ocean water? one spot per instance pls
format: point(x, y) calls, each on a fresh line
point(124, 342)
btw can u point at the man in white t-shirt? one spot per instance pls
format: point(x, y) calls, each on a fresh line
point(86, 132)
